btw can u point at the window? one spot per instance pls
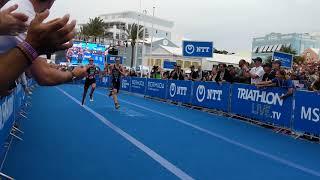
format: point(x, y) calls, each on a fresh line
point(279, 47)
point(261, 49)
point(187, 64)
point(275, 48)
point(195, 64)
point(150, 62)
point(179, 62)
point(270, 48)
point(158, 62)
point(255, 50)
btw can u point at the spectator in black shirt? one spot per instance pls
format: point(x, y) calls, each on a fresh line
point(268, 76)
point(177, 74)
point(193, 75)
point(223, 74)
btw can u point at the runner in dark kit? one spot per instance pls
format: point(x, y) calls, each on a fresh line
point(90, 80)
point(116, 72)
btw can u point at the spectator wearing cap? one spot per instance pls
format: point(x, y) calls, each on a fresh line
point(279, 81)
point(257, 72)
point(268, 72)
point(193, 75)
point(276, 65)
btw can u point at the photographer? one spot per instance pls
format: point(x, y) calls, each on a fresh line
point(155, 73)
point(177, 73)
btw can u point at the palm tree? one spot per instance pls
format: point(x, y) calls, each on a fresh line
point(288, 49)
point(95, 28)
point(131, 33)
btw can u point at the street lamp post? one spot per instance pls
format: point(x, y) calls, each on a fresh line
point(143, 40)
point(152, 27)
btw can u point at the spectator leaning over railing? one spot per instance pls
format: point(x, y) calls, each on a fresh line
point(243, 75)
point(43, 73)
point(279, 81)
point(132, 73)
point(52, 35)
point(269, 75)
point(316, 84)
point(257, 72)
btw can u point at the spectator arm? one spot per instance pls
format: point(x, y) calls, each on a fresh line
point(12, 65)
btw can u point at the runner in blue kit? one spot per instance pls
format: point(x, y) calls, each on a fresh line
point(116, 73)
point(90, 80)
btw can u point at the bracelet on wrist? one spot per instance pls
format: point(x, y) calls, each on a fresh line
point(28, 51)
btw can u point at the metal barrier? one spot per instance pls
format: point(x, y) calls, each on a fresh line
point(261, 105)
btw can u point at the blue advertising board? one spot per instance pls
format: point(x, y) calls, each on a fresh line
point(285, 58)
point(197, 49)
point(179, 91)
point(138, 85)
point(211, 95)
point(7, 106)
point(112, 59)
point(125, 84)
point(307, 112)
point(168, 64)
point(264, 105)
point(156, 88)
point(106, 81)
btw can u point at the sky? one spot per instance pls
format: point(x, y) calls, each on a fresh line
point(230, 24)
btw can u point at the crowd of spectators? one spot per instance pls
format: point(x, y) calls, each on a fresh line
point(302, 76)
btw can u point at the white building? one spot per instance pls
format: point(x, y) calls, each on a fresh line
point(116, 22)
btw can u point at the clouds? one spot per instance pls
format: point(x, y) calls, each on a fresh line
point(231, 24)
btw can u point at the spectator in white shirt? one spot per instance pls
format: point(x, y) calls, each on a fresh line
point(257, 72)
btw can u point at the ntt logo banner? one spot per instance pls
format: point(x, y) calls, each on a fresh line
point(197, 49)
point(179, 91)
point(263, 104)
point(211, 95)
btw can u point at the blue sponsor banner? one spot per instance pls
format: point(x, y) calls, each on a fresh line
point(106, 81)
point(179, 91)
point(112, 59)
point(285, 58)
point(262, 104)
point(125, 83)
point(211, 95)
point(138, 85)
point(156, 88)
point(168, 64)
point(307, 112)
point(7, 106)
point(197, 49)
